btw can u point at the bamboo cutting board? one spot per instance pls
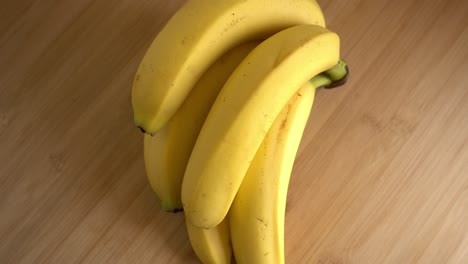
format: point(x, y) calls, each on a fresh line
point(381, 175)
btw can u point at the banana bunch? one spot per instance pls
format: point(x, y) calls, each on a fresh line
point(223, 95)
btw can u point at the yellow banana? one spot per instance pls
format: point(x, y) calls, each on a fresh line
point(243, 112)
point(262, 195)
point(213, 245)
point(257, 214)
point(194, 38)
point(167, 153)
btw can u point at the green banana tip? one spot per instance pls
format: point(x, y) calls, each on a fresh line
point(341, 81)
point(343, 62)
point(142, 130)
point(338, 74)
point(177, 210)
point(171, 207)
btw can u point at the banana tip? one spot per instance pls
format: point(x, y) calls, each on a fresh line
point(142, 129)
point(339, 82)
point(177, 210)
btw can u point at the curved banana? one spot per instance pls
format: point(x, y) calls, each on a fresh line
point(194, 38)
point(212, 246)
point(167, 153)
point(257, 213)
point(243, 112)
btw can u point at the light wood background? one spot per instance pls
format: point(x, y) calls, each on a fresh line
point(381, 176)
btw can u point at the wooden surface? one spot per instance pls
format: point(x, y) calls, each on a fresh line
point(381, 176)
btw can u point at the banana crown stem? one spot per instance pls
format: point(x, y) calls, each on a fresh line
point(333, 77)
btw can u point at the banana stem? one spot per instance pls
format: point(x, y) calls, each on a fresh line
point(333, 77)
